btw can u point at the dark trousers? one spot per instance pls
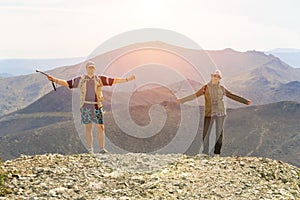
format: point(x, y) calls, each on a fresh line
point(208, 122)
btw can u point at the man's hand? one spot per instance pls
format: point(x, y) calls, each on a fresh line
point(51, 78)
point(249, 103)
point(132, 77)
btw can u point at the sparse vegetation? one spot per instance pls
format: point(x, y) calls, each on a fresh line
point(3, 177)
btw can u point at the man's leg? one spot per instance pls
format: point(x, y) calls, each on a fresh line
point(100, 129)
point(89, 137)
point(101, 135)
point(219, 134)
point(206, 134)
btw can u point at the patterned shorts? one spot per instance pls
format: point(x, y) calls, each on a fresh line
point(91, 115)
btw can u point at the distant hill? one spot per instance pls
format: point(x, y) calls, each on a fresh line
point(47, 125)
point(17, 67)
point(5, 75)
point(290, 56)
point(271, 131)
point(271, 82)
point(285, 50)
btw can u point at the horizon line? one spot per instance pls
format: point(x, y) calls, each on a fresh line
point(218, 49)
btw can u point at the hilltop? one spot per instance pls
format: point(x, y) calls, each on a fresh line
point(146, 176)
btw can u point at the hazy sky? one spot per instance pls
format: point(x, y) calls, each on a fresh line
point(74, 28)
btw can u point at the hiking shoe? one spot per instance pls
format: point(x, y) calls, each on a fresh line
point(103, 151)
point(91, 150)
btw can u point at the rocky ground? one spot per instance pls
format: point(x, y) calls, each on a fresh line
point(146, 176)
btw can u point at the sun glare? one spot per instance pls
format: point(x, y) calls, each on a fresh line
point(153, 9)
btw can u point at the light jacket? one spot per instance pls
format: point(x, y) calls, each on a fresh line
point(98, 91)
point(221, 92)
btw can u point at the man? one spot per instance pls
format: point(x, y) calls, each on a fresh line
point(214, 109)
point(91, 97)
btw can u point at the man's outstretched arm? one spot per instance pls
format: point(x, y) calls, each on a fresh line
point(123, 80)
point(58, 81)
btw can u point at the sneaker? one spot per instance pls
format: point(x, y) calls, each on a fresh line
point(103, 151)
point(91, 150)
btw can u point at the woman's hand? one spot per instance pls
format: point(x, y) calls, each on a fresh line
point(178, 101)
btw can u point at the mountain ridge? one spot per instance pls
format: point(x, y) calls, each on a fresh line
point(236, 67)
point(290, 56)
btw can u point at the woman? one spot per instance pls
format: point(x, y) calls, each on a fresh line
point(215, 109)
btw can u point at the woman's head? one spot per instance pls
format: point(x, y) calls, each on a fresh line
point(216, 76)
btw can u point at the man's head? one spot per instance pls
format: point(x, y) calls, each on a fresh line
point(90, 64)
point(216, 76)
point(90, 67)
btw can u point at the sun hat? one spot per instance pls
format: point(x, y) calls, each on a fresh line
point(218, 73)
point(90, 64)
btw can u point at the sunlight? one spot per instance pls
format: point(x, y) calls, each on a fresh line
point(154, 10)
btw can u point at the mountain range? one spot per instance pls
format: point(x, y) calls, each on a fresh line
point(5, 75)
point(262, 78)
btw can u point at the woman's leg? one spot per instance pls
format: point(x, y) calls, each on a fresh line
point(206, 133)
point(219, 134)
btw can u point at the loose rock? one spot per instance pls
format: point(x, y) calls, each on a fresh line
point(147, 176)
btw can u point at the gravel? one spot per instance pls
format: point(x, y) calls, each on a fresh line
point(149, 176)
